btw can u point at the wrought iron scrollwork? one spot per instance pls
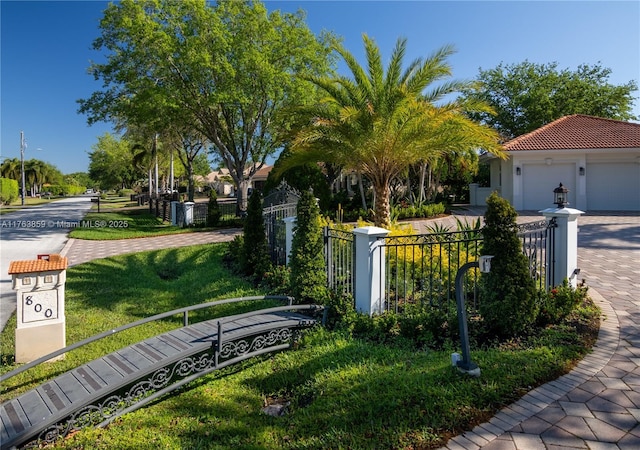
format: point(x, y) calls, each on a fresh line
point(113, 405)
point(533, 226)
point(241, 347)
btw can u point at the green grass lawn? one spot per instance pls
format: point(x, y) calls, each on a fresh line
point(131, 223)
point(124, 224)
point(343, 392)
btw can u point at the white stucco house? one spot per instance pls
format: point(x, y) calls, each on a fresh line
point(597, 159)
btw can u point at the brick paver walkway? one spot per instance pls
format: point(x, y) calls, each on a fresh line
point(79, 250)
point(597, 405)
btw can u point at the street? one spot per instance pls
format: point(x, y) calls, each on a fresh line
point(34, 231)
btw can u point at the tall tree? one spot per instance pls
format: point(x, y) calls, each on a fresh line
point(527, 95)
point(111, 163)
point(78, 179)
point(227, 69)
point(188, 144)
point(10, 168)
point(381, 121)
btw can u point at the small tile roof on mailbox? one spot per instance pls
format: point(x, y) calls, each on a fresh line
point(579, 132)
point(55, 262)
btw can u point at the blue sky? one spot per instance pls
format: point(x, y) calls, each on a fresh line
point(46, 50)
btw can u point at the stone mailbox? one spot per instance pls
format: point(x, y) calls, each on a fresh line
point(39, 286)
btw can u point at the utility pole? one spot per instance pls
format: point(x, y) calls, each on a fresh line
point(22, 145)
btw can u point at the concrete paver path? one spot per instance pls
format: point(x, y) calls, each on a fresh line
point(79, 251)
point(597, 405)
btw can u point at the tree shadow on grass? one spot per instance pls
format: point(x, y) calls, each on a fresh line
point(147, 283)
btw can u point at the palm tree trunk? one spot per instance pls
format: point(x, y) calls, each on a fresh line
point(382, 216)
point(423, 175)
point(363, 198)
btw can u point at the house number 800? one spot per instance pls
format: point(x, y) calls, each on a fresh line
point(38, 307)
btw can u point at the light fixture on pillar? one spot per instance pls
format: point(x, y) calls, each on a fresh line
point(581, 171)
point(518, 171)
point(560, 196)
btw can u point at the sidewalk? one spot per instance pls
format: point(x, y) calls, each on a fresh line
point(79, 251)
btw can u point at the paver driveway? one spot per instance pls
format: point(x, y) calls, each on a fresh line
point(597, 406)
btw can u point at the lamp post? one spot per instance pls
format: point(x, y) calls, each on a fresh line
point(560, 196)
point(22, 146)
point(466, 365)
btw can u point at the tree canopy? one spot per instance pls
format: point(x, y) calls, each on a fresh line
point(381, 120)
point(527, 95)
point(225, 69)
point(111, 163)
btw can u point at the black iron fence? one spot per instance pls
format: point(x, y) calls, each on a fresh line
point(420, 270)
point(339, 258)
point(198, 215)
point(538, 243)
point(275, 229)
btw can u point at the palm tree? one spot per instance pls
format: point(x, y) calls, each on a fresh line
point(10, 168)
point(379, 122)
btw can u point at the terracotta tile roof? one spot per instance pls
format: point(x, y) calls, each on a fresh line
point(55, 262)
point(263, 173)
point(579, 132)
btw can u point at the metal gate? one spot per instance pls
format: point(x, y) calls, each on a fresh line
point(278, 205)
point(538, 243)
point(339, 253)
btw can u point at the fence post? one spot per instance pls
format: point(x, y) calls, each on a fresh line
point(369, 261)
point(289, 223)
point(565, 245)
point(473, 194)
point(174, 213)
point(188, 213)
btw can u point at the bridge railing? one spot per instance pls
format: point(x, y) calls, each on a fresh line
point(185, 314)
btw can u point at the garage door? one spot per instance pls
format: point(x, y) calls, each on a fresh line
point(539, 181)
point(613, 186)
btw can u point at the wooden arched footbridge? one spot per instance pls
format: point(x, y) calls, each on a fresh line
point(123, 381)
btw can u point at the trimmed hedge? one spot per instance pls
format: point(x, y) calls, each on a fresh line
point(8, 190)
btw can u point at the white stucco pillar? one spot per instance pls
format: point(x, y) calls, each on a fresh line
point(289, 223)
point(188, 213)
point(174, 213)
point(565, 244)
point(473, 194)
point(369, 261)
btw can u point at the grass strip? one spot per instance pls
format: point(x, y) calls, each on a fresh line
point(124, 225)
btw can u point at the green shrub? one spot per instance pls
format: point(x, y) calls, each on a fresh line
point(276, 280)
point(232, 257)
point(507, 293)
point(559, 302)
point(65, 189)
point(8, 190)
point(340, 311)
point(405, 211)
point(254, 257)
point(126, 192)
point(308, 267)
point(213, 209)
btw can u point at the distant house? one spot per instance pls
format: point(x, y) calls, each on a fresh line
point(260, 177)
point(221, 180)
point(597, 159)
